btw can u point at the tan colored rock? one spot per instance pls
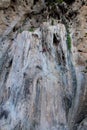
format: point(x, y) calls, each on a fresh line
point(4, 3)
point(80, 36)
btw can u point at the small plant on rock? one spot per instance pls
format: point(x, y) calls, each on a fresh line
point(51, 2)
point(59, 1)
point(86, 61)
point(68, 41)
point(31, 29)
point(52, 22)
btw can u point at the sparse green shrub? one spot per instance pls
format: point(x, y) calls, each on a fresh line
point(51, 2)
point(20, 30)
point(69, 1)
point(86, 61)
point(69, 44)
point(68, 41)
point(58, 1)
point(52, 22)
point(85, 34)
point(31, 29)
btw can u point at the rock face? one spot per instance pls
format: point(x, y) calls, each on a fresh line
point(4, 3)
point(34, 83)
point(43, 83)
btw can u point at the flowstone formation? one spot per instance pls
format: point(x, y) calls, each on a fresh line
point(43, 66)
point(34, 84)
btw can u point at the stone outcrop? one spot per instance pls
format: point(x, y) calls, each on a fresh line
point(34, 83)
point(4, 3)
point(43, 83)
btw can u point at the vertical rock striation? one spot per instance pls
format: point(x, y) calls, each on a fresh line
point(43, 86)
point(39, 81)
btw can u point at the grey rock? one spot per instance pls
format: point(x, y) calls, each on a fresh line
point(43, 85)
point(40, 87)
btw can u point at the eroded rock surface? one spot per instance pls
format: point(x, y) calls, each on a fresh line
point(4, 3)
point(43, 83)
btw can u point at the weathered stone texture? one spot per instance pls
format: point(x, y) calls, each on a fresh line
point(4, 3)
point(43, 84)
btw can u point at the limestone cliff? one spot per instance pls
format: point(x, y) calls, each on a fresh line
point(43, 65)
